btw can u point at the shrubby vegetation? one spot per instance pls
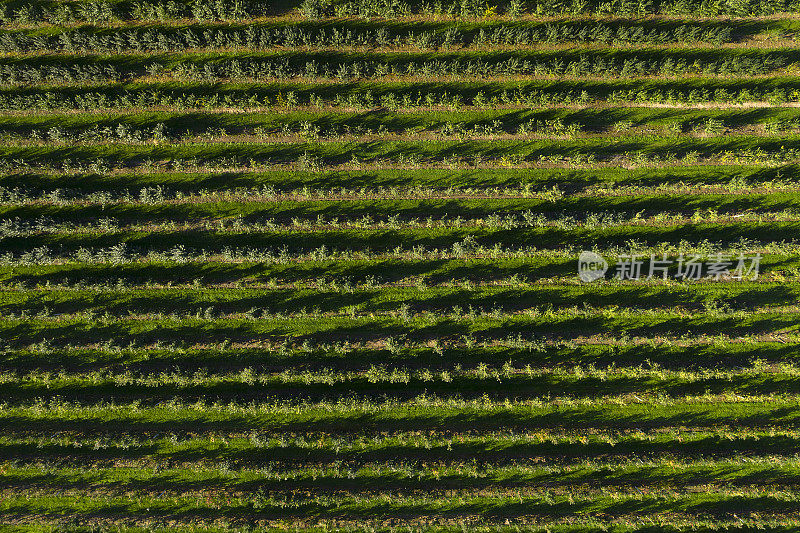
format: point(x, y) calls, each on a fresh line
point(201, 37)
point(515, 8)
point(312, 265)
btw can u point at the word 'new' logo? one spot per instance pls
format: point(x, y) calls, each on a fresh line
point(591, 266)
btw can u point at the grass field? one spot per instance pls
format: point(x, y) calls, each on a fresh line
point(313, 265)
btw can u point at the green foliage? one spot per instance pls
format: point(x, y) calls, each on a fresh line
point(311, 265)
point(313, 9)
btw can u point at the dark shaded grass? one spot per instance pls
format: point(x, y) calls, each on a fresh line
point(432, 271)
point(735, 296)
point(166, 93)
point(423, 479)
point(717, 356)
point(282, 211)
point(568, 180)
point(592, 119)
point(518, 387)
point(490, 507)
point(387, 240)
point(187, 332)
point(367, 420)
point(485, 451)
